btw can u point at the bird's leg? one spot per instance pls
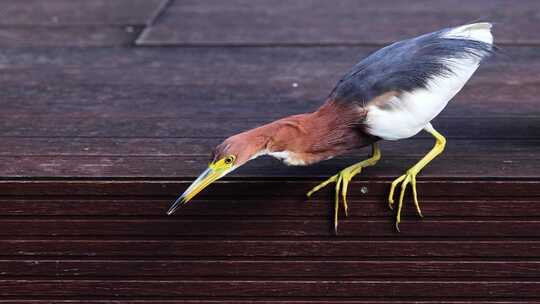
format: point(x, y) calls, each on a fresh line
point(410, 176)
point(343, 178)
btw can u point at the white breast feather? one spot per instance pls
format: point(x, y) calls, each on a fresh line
point(407, 114)
point(286, 157)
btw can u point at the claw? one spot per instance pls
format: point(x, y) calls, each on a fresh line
point(405, 180)
point(410, 176)
point(345, 184)
point(392, 188)
point(415, 196)
point(342, 180)
point(322, 185)
point(336, 205)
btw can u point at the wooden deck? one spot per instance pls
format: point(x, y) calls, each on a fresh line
point(110, 108)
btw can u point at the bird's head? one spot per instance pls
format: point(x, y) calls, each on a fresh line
point(226, 157)
point(287, 139)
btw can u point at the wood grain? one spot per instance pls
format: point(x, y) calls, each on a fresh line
point(189, 167)
point(267, 288)
point(331, 248)
point(87, 36)
point(316, 68)
point(177, 226)
point(243, 22)
point(42, 126)
point(286, 61)
point(99, 136)
point(232, 207)
point(265, 300)
point(291, 187)
point(78, 23)
point(233, 102)
point(235, 269)
point(201, 147)
point(38, 14)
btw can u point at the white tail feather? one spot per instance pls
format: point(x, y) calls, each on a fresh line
point(476, 31)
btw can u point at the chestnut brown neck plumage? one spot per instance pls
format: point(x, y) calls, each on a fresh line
point(332, 130)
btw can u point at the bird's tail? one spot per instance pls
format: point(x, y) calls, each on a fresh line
point(475, 31)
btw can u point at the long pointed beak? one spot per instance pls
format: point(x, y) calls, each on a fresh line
point(209, 176)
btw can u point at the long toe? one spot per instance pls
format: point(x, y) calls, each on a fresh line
point(322, 185)
point(415, 196)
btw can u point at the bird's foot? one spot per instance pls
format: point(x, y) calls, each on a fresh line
point(342, 180)
point(405, 179)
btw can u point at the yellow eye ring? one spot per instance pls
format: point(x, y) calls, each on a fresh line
point(229, 160)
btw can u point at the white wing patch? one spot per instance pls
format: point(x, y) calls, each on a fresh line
point(405, 115)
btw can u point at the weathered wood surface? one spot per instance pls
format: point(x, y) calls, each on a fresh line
point(253, 227)
point(258, 206)
point(82, 36)
point(269, 288)
point(319, 22)
point(483, 249)
point(241, 187)
point(80, 23)
point(265, 300)
point(77, 12)
point(298, 268)
point(98, 140)
point(140, 121)
point(188, 167)
point(273, 70)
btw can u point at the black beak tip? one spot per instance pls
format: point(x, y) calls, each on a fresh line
point(179, 201)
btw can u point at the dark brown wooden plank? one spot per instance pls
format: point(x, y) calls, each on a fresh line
point(178, 226)
point(281, 300)
point(119, 107)
point(190, 167)
point(238, 101)
point(87, 36)
point(230, 207)
point(288, 61)
point(293, 187)
point(37, 13)
point(324, 300)
point(271, 248)
point(249, 75)
point(314, 288)
point(268, 268)
point(243, 22)
point(313, 68)
point(201, 147)
point(43, 126)
point(112, 228)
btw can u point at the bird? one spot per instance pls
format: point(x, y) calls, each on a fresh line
point(392, 94)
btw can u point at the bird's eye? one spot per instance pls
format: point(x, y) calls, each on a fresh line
point(229, 160)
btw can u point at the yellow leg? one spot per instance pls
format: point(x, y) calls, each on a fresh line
point(343, 178)
point(410, 176)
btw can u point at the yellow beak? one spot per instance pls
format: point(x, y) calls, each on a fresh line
point(209, 176)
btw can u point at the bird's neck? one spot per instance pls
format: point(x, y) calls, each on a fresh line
point(308, 138)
